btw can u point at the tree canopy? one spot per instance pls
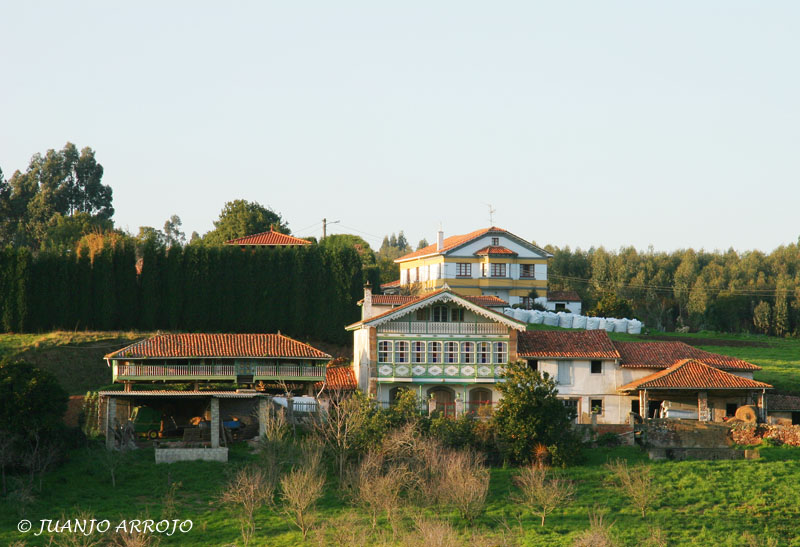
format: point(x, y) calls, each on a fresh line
point(30, 399)
point(240, 218)
point(55, 201)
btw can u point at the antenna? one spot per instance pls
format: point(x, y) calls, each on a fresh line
point(492, 211)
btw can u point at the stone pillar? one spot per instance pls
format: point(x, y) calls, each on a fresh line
point(214, 422)
point(643, 411)
point(459, 406)
point(262, 414)
point(431, 406)
point(111, 422)
point(702, 406)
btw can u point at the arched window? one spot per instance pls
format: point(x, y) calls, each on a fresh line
point(445, 400)
point(479, 398)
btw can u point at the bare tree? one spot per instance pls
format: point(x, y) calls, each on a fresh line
point(8, 455)
point(431, 532)
point(598, 534)
point(539, 494)
point(378, 487)
point(300, 490)
point(464, 482)
point(41, 453)
point(247, 491)
point(635, 482)
point(338, 426)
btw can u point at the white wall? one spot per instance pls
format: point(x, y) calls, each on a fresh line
point(361, 358)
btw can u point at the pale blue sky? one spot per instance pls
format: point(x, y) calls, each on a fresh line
point(583, 123)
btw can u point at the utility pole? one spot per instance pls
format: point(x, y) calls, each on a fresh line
point(325, 226)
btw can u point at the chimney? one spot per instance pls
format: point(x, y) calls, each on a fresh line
point(439, 240)
point(366, 307)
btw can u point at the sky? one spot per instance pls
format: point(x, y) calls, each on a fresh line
point(671, 124)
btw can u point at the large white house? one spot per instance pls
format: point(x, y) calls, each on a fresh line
point(454, 350)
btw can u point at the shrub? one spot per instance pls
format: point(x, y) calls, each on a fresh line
point(247, 491)
point(635, 482)
point(300, 490)
point(539, 494)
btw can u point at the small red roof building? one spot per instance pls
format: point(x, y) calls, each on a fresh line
point(268, 239)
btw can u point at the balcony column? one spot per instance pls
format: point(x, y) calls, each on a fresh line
point(643, 412)
point(214, 422)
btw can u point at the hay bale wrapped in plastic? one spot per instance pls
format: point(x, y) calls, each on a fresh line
point(565, 320)
point(550, 319)
point(579, 322)
point(610, 323)
point(593, 323)
point(537, 317)
point(635, 326)
point(621, 325)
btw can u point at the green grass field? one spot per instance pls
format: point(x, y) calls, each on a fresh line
point(702, 503)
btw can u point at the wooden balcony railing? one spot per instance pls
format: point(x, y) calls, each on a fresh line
point(426, 327)
point(216, 372)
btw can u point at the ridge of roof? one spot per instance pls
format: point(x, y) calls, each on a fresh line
point(190, 345)
point(270, 237)
point(693, 374)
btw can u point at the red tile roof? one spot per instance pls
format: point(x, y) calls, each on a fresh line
point(590, 344)
point(390, 284)
point(495, 250)
point(218, 345)
point(693, 374)
point(666, 354)
point(486, 301)
point(449, 243)
point(339, 378)
point(564, 296)
point(271, 238)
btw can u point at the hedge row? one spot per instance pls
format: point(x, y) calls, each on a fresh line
point(305, 292)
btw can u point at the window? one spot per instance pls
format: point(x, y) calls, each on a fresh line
point(468, 353)
point(596, 405)
point(730, 409)
point(384, 351)
point(533, 364)
point(527, 302)
point(418, 352)
point(560, 306)
point(401, 352)
point(422, 315)
point(463, 269)
point(527, 270)
point(495, 241)
point(572, 404)
point(483, 353)
point(500, 352)
point(451, 352)
point(457, 315)
point(597, 367)
point(565, 373)
point(498, 270)
point(635, 406)
point(434, 352)
point(440, 314)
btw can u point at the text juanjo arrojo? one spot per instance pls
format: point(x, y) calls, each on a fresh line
point(88, 527)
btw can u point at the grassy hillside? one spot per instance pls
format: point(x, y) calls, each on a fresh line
point(75, 358)
point(700, 503)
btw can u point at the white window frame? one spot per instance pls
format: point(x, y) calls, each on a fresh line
point(401, 347)
point(564, 366)
point(418, 352)
point(451, 353)
point(468, 353)
point(386, 353)
point(483, 353)
point(434, 349)
point(498, 267)
point(500, 353)
point(466, 267)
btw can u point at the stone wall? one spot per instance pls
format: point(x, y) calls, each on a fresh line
point(172, 455)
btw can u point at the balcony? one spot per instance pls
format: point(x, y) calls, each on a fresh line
point(425, 372)
point(188, 373)
point(428, 327)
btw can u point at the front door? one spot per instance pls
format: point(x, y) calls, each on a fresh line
point(445, 401)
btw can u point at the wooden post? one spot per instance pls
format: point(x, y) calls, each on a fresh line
point(643, 410)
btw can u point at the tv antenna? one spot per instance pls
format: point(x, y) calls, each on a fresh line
point(492, 211)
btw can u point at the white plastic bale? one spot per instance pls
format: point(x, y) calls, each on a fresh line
point(621, 325)
point(634, 326)
point(550, 319)
point(565, 320)
point(579, 322)
point(592, 323)
point(609, 327)
point(537, 317)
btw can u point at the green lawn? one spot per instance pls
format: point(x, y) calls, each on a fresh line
point(702, 503)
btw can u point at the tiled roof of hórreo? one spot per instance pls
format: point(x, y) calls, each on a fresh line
point(269, 239)
point(693, 374)
point(589, 344)
point(339, 378)
point(218, 345)
point(666, 354)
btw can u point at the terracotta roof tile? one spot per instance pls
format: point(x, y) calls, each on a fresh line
point(390, 284)
point(495, 250)
point(218, 345)
point(693, 374)
point(339, 378)
point(487, 301)
point(271, 238)
point(449, 243)
point(590, 344)
point(399, 299)
point(666, 354)
point(564, 296)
